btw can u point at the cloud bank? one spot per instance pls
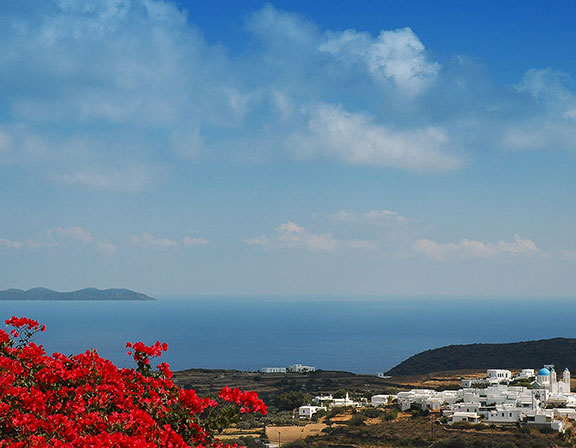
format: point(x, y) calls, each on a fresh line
point(112, 94)
point(292, 236)
point(469, 249)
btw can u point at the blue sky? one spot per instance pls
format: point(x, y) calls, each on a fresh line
point(289, 148)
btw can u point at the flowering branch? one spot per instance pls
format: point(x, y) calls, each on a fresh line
point(84, 401)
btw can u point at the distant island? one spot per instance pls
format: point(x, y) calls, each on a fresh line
point(82, 294)
point(515, 355)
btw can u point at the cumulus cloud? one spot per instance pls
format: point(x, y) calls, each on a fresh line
point(262, 241)
point(552, 125)
point(354, 138)
point(58, 237)
point(10, 244)
point(76, 233)
point(396, 55)
point(151, 242)
point(90, 68)
point(292, 235)
point(189, 241)
point(112, 94)
point(465, 249)
point(80, 79)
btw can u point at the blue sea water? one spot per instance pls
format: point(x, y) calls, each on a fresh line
point(357, 335)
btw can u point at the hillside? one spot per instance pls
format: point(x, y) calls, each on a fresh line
point(83, 294)
point(209, 382)
point(529, 354)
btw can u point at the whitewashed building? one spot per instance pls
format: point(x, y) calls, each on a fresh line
point(469, 417)
point(547, 379)
point(380, 400)
point(309, 411)
point(346, 401)
point(299, 368)
point(526, 373)
point(273, 370)
point(498, 375)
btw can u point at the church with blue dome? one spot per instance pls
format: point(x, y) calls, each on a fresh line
point(546, 378)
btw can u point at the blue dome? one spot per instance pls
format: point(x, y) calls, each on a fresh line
point(543, 372)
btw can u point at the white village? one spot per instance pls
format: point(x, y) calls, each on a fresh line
point(537, 399)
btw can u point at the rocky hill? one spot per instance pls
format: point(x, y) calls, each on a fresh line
point(529, 354)
point(83, 294)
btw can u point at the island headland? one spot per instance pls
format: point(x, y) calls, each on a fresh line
point(513, 355)
point(82, 294)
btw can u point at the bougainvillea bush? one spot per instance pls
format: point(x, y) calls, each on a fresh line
point(86, 401)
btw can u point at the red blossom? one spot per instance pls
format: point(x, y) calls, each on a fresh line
point(85, 401)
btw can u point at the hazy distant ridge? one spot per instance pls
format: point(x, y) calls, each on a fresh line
point(515, 355)
point(82, 294)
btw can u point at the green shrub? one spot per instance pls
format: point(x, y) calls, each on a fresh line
point(296, 444)
point(371, 412)
point(357, 420)
point(250, 442)
point(390, 415)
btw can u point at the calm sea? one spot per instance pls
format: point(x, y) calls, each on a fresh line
point(357, 335)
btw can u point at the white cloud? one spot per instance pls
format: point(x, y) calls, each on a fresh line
point(41, 241)
point(117, 78)
point(383, 216)
point(396, 55)
point(151, 242)
point(112, 94)
point(189, 241)
point(60, 237)
point(291, 235)
point(550, 88)
point(262, 241)
point(465, 249)
point(106, 248)
point(553, 123)
point(354, 138)
point(10, 244)
point(76, 233)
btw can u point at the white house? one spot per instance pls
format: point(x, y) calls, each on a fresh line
point(498, 375)
point(505, 414)
point(309, 411)
point(273, 370)
point(470, 417)
point(526, 373)
point(379, 400)
point(466, 407)
point(299, 368)
point(544, 418)
point(432, 404)
point(346, 401)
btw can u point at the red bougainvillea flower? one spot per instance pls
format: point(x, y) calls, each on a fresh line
point(85, 401)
